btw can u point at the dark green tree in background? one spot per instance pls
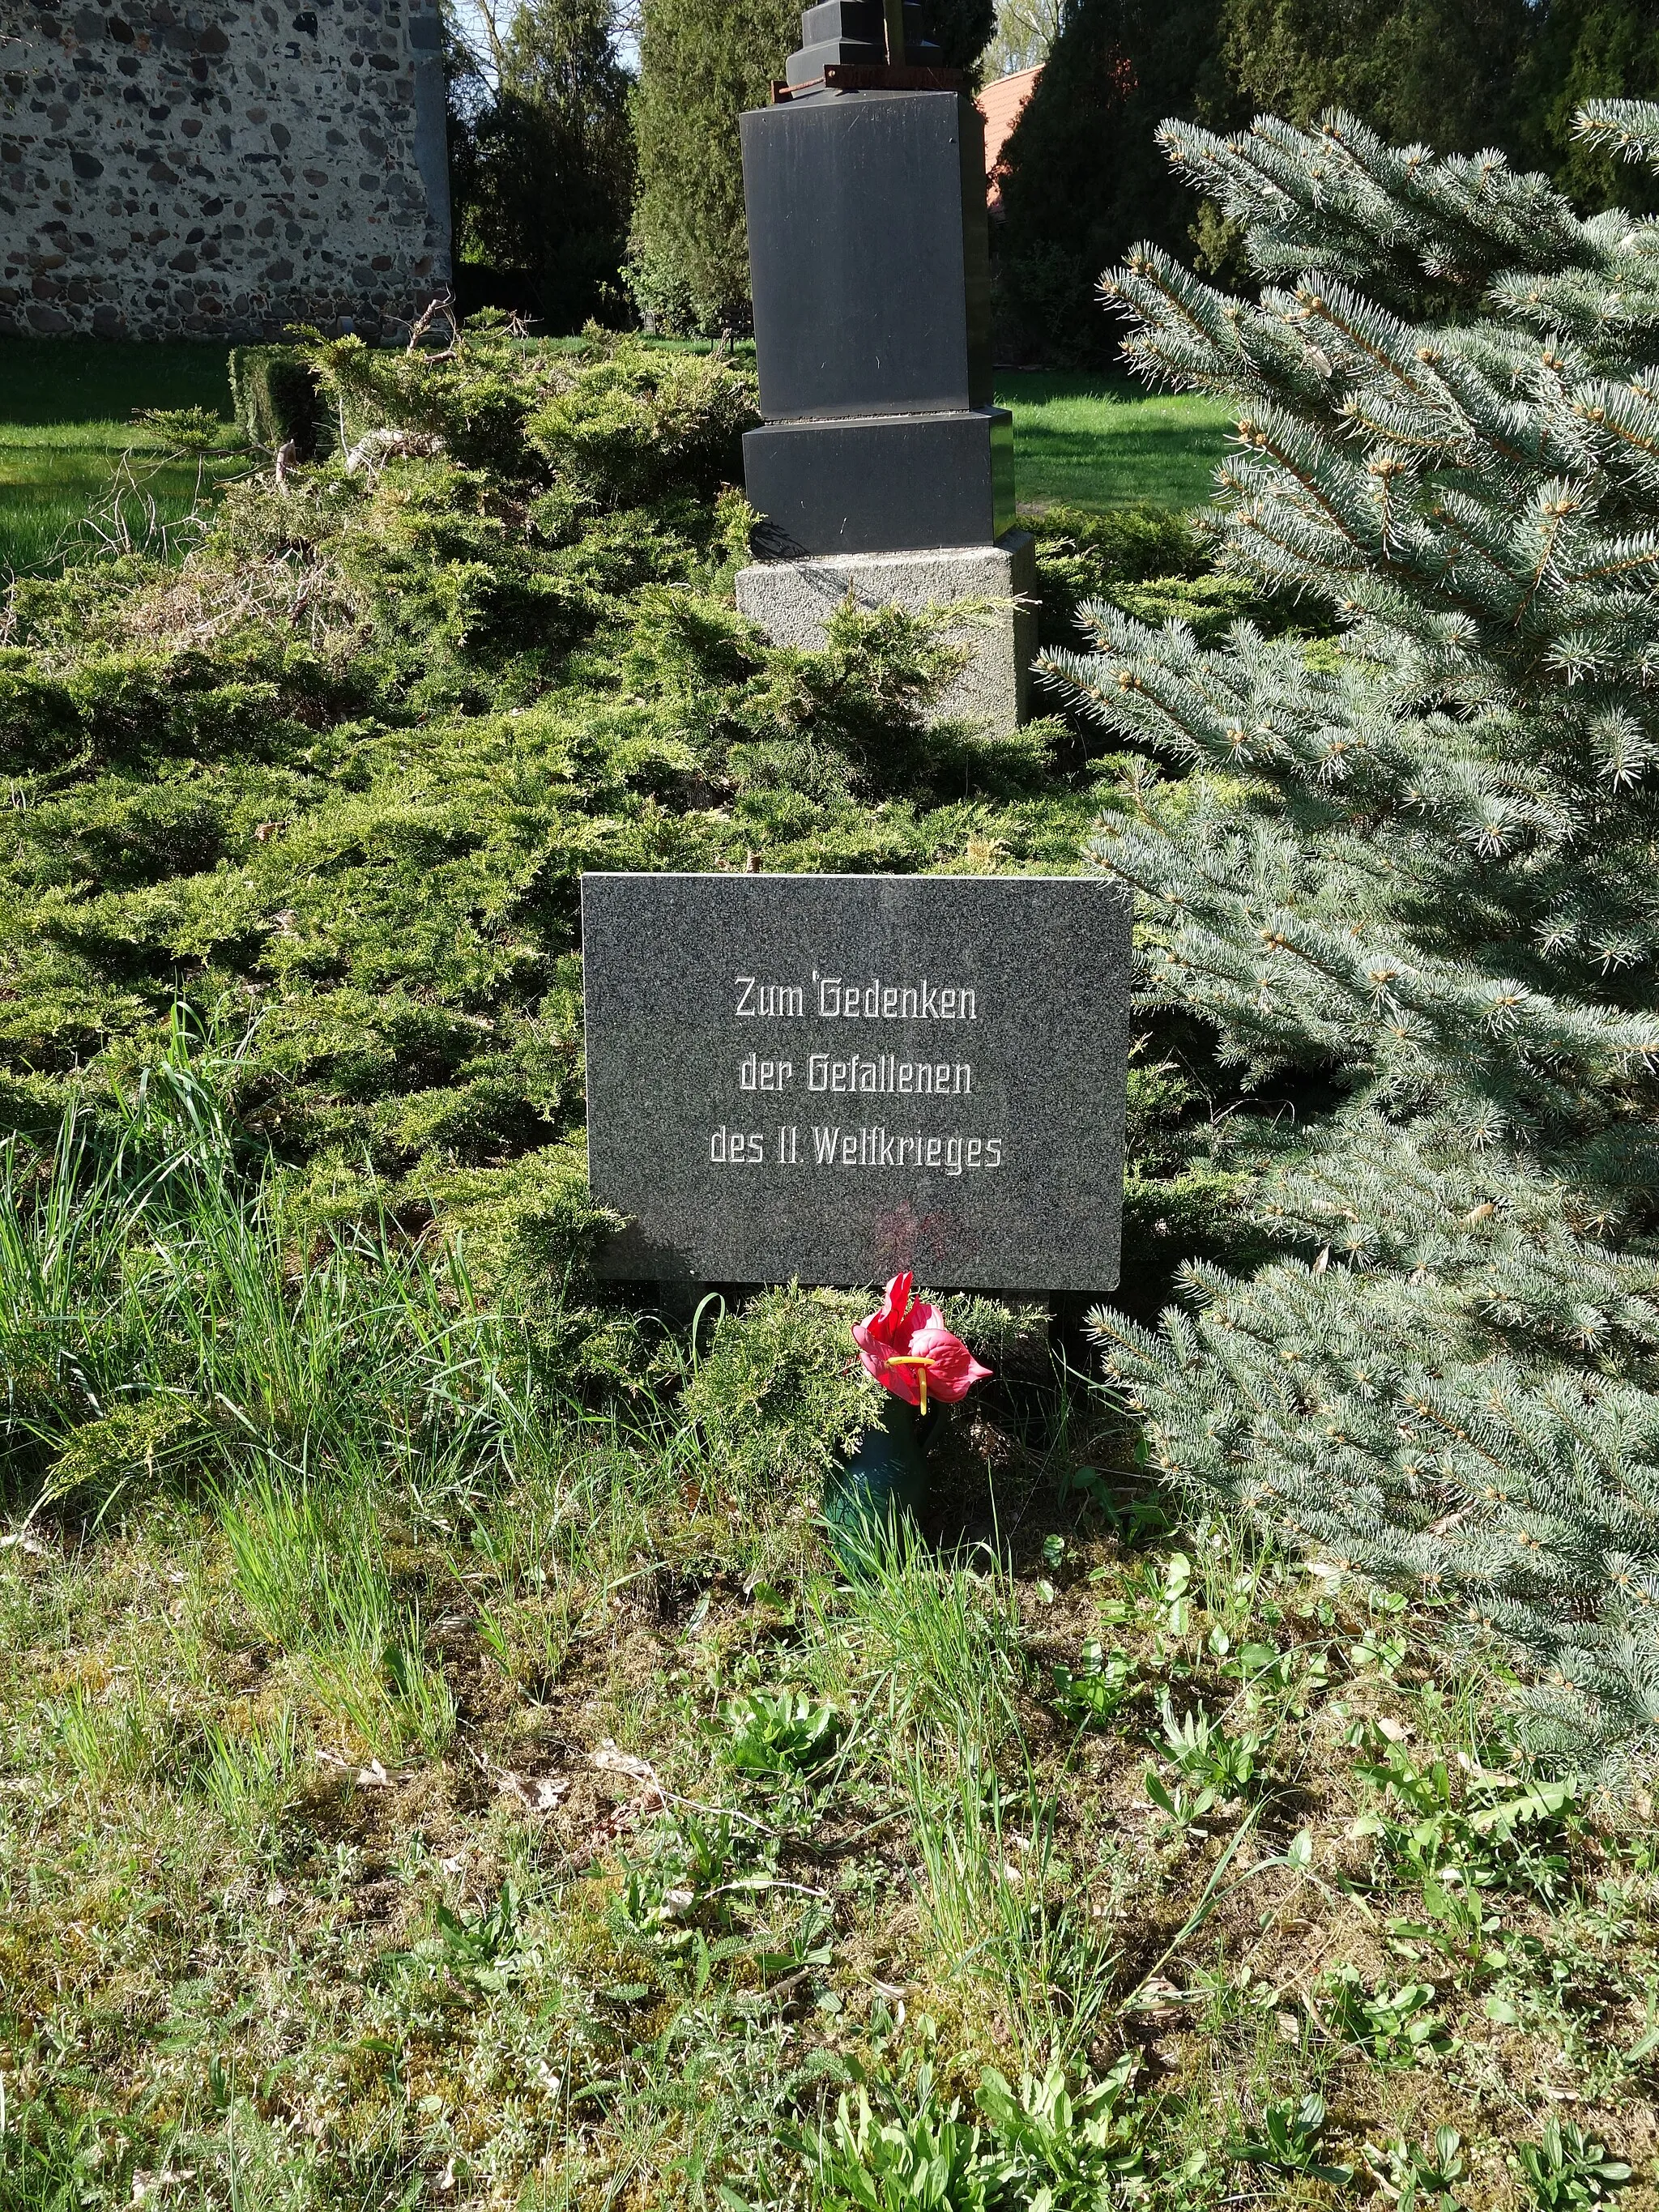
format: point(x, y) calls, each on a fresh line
point(542, 161)
point(961, 30)
point(1583, 50)
point(1440, 71)
point(701, 64)
point(1084, 178)
point(1083, 175)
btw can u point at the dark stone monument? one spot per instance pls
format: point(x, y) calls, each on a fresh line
point(833, 1077)
point(864, 189)
point(868, 261)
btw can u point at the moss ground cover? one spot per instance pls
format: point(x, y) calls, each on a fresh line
point(441, 1762)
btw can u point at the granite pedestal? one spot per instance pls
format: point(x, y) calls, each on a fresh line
point(793, 600)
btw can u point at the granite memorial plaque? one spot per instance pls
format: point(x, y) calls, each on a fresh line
point(833, 1077)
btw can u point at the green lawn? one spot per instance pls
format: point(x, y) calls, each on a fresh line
point(66, 408)
point(1101, 442)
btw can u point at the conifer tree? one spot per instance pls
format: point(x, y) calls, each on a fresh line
point(702, 62)
point(1443, 70)
point(962, 30)
point(1438, 900)
point(1577, 50)
point(1082, 175)
point(542, 163)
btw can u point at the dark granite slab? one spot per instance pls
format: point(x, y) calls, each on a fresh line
point(867, 255)
point(893, 484)
point(836, 1077)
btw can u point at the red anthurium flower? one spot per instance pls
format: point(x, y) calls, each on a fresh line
point(910, 1351)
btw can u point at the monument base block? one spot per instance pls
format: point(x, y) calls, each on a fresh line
point(793, 600)
point(882, 484)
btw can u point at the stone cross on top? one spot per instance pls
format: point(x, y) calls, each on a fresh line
point(860, 35)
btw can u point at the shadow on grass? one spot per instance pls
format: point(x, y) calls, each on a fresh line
point(66, 409)
point(46, 380)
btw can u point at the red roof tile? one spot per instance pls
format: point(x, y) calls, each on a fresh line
point(1001, 104)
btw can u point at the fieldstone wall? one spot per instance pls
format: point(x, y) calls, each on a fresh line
point(220, 171)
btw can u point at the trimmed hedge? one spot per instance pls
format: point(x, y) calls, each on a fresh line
point(277, 398)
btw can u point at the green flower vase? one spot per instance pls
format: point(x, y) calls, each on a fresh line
point(880, 1485)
